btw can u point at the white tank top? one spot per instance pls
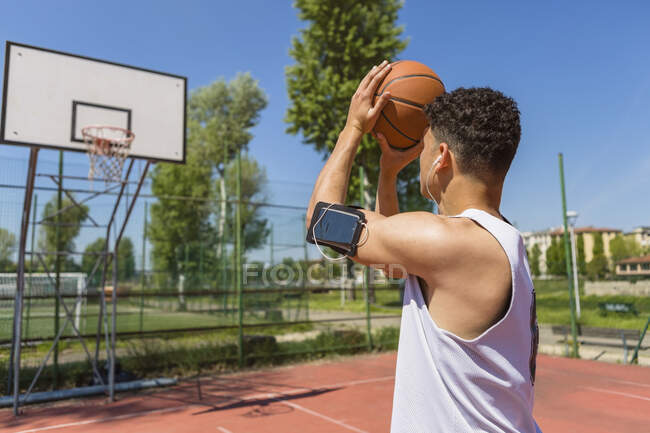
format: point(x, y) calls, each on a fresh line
point(444, 383)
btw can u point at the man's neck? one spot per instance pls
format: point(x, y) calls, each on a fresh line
point(464, 193)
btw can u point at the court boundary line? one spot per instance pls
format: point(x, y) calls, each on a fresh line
point(320, 415)
point(108, 418)
point(624, 394)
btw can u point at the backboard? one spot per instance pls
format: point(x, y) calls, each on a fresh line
point(50, 95)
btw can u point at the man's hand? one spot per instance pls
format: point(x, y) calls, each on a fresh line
point(392, 161)
point(362, 115)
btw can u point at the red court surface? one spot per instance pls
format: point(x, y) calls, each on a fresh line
point(352, 395)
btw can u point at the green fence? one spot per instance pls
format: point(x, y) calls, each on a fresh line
point(185, 304)
point(180, 306)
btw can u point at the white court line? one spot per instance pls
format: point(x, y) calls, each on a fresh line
point(624, 394)
point(362, 381)
point(317, 388)
point(325, 417)
point(108, 418)
point(274, 395)
point(627, 382)
point(223, 430)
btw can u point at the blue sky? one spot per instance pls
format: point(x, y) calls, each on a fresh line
point(579, 71)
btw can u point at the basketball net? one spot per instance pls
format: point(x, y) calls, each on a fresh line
point(107, 148)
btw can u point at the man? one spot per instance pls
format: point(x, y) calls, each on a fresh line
point(468, 338)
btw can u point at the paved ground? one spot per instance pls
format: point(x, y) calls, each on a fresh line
point(350, 395)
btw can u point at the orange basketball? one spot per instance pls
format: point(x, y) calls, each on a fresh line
point(412, 85)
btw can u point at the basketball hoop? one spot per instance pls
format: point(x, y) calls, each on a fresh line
point(107, 148)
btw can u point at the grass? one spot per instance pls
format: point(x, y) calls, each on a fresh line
point(386, 301)
point(553, 307)
point(39, 323)
point(189, 353)
point(217, 352)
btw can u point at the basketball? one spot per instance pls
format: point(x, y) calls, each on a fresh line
point(412, 85)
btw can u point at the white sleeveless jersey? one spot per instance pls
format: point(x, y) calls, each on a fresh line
point(444, 383)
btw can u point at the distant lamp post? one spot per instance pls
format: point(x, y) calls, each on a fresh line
point(572, 216)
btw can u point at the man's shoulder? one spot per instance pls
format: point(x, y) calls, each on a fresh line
point(435, 234)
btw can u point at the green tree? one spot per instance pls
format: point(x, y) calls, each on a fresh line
point(598, 266)
point(220, 118)
point(69, 226)
point(180, 216)
point(255, 228)
point(535, 254)
point(7, 245)
point(341, 43)
point(125, 265)
point(555, 257)
point(580, 246)
point(622, 248)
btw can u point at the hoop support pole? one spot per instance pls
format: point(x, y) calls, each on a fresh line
point(20, 287)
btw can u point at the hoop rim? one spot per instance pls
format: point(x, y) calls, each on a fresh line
point(94, 138)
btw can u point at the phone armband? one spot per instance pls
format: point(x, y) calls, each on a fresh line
point(358, 220)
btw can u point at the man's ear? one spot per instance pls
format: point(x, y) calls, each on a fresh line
point(445, 160)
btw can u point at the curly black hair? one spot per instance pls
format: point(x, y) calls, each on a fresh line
point(481, 127)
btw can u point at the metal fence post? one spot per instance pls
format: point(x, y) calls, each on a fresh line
point(201, 263)
point(59, 204)
point(304, 244)
point(567, 254)
point(238, 276)
point(362, 194)
point(20, 287)
point(635, 355)
point(144, 259)
point(31, 267)
point(111, 373)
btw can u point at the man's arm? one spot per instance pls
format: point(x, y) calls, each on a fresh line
point(392, 161)
point(332, 183)
point(390, 164)
point(386, 203)
point(405, 240)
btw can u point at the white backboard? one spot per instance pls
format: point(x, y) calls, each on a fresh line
point(49, 96)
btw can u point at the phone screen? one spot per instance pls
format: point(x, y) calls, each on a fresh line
point(336, 227)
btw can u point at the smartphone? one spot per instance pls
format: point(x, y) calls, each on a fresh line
point(336, 228)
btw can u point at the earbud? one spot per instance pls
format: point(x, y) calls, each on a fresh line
point(429, 175)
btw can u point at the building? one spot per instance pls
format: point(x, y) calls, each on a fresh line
point(634, 266)
point(641, 235)
point(588, 238)
point(544, 238)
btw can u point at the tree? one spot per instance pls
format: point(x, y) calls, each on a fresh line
point(7, 245)
point(253, 193)
point(556, 257)
point(341, 43)
point(220, 117)
point(622, 248)
point(125, 257)
point(180, 216)
point(535, 255)
point(69, 226)
point(598, 266)
point(582, 264)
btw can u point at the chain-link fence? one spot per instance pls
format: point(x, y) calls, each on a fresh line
point(182, 307)
point(179, 306)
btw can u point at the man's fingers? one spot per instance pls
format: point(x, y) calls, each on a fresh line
point(370, 75)
point(383, 143)
point(378, 78)
point(415, 151)
point(379, 105)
